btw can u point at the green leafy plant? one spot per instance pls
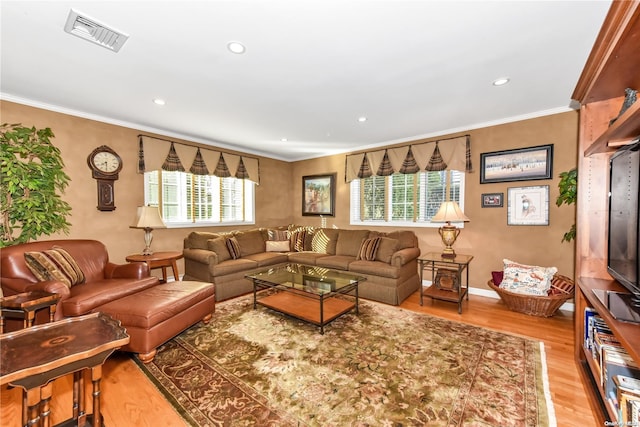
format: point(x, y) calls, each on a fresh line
point(568, 186)
point(32, 176)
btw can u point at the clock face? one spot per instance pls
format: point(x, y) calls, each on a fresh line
point(106, 162)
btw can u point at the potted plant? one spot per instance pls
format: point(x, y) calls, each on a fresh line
point(568, 186)
point(31, 177)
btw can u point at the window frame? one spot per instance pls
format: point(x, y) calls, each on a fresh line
point(355, 211)
point(154, 190)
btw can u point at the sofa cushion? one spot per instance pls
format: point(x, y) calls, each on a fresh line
point(267, 258)
point(54, 264)
point(349, 241)
point(386, 249)
point(250, 242)
point(233, 266)
point(406, 239)
point(324, 241)
point(199, 239)
point(219, 246)
point(87, 296)
point(374, 268)
point(307, 258)
point(298, 238)
point(233, 247)
point(337, 262)
point(368, 249)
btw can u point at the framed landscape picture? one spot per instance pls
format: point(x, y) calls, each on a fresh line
point(319, 194)
point(528, 205)
point(522, 164)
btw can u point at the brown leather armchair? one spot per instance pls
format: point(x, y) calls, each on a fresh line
point(104, 280)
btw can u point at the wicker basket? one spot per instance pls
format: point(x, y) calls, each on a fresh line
point(543, 306)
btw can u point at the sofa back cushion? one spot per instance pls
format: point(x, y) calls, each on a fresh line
point(386, 249)
point(406, 238)
point(324, 241)
point(250, 242)
point(199, 239)
point(219, 246)
point(349, 242)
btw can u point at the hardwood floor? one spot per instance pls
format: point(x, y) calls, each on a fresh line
point(130, 399)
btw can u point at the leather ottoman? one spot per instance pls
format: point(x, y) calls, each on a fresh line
point(155, 315)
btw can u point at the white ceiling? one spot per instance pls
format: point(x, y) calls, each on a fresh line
point(311, 68)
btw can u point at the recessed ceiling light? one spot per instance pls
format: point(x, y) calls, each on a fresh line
point(236, 47)
point(501, 81)
point(362, 119)
point(159, 101)
point(283, 139)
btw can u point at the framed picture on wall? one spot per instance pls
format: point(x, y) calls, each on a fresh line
point(492, 200)
point(528, 205)
point(319, 194)
point(522, 164)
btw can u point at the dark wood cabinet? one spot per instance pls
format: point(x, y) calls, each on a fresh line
point(614, 64)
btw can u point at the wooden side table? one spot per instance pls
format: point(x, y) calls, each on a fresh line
point(31, 358)
point(159, 260)
point(24, 306)
point(446, 277)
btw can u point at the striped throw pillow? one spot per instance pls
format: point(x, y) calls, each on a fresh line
point(54, 264)
point(368, 249)
point(233, 247)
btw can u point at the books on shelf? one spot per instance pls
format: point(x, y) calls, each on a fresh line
point(619, 374)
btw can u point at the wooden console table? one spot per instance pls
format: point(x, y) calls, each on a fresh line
point(31, 358)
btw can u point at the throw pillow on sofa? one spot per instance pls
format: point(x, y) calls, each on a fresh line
point(527, 279)
point(277, 245)
point(233, 247)
point(54, 264)
point(369, 249)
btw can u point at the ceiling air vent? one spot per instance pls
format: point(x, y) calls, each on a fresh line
point(89, 29)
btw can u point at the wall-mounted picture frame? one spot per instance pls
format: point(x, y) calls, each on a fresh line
point(521, 164)
point(528, 205)
point(319, 194)
point(492, 200)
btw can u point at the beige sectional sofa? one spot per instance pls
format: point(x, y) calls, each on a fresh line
point(391, 270)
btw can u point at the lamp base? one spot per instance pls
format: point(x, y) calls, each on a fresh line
point(148, 237)
point(449, 233)
point(448, 253)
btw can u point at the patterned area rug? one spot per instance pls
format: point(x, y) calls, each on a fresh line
point(383, 367)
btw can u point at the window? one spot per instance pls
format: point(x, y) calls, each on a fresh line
point(186, 199)
point(404, 199)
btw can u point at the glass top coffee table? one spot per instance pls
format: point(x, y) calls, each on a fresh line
point(313, 294)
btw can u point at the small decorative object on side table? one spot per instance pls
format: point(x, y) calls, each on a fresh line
point(159, 260)
point(446, 277)
point(24, 306)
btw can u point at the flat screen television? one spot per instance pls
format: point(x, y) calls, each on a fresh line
point(623, 262)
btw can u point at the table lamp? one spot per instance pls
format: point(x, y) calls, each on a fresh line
point(148, 218)
point(449, 212)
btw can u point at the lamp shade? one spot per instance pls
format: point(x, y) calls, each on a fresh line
point(449, 212)
point(148, 217)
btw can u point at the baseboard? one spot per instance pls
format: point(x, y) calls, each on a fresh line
point(567, 306)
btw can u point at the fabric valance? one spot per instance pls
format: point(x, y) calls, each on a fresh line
point(445, 154)
point(161, 154)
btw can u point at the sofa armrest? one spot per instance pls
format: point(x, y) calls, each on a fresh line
point(133, 270)
point(404, 256)
point(202, 256)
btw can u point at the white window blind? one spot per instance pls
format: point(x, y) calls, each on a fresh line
point(404, 199)
point(186, 199)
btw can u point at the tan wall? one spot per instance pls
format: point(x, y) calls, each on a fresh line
point(77, 138)
point(278, 197)
point(487, 236)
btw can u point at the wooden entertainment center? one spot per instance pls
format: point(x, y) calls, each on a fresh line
point(614, 64)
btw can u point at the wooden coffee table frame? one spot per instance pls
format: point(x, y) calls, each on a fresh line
point(319, 309)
